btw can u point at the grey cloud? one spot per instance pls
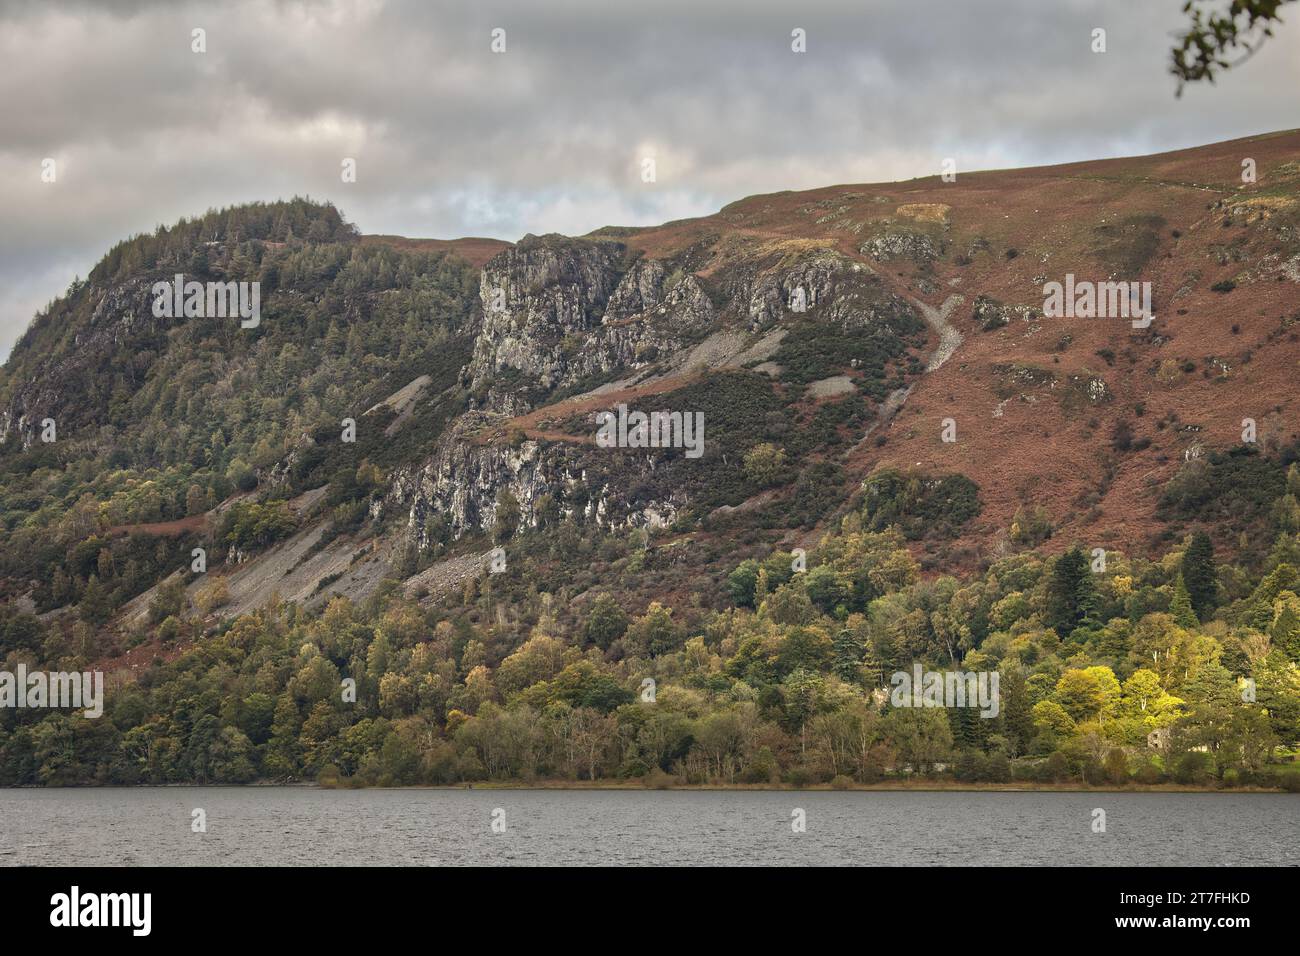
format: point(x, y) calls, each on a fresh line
point(453, 140)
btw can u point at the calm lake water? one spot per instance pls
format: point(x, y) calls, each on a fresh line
point(299, 826)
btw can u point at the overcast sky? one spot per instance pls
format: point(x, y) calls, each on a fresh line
point(451, 139)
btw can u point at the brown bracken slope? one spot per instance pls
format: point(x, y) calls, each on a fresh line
point(1183, 221)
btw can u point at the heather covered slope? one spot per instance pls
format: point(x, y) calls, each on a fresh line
point(830, 340)
point(1184, 221)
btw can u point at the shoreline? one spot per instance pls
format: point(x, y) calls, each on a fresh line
point(928, 786)
point(892, 787)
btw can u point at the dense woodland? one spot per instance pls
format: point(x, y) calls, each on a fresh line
point(171, 420)
point(506, 683)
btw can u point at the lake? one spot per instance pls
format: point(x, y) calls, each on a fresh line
point(304, 826)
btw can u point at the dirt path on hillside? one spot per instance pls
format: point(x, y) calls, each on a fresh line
point(949, 341)
point(531, 422)
point(161, 529)
point(937, 319)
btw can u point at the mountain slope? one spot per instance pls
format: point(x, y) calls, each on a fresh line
point(400, 475)
point(1037, 403)
point(843, 326)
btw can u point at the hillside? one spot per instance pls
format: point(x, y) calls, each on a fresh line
point(403, 408)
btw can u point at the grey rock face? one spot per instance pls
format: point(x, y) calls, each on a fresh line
point(916, 246)
point(559, 312)
point(539, 299)
point(828, 287)
point(799, 289)
point(652, 314)
point(122, 312)
point(640, 290)
point(463, 480)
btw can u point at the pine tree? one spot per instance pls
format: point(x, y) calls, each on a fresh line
point(871, 670)
point(335, 340)
point(96, 606)
point(1087, 602)
point(1069, 592)
point(847, 657)
point(283, 749)
point(1017, 717)
point(886, 655)
point(1199, 576)
point(1285, 631)
point(1181, 606)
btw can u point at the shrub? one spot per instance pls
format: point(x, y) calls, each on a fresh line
point(212, 595)
point(1148, 772)
point(169, 601)
point(920, 506)
point(1116, 766)
point(253, 525)
point(1194, 767)
point(800, 777)
point(765, 464)
point(657, 779)
point(1288, 781)
point(1055, 768)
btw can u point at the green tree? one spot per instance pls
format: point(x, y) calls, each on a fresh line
point(1070, 593)
point(508, 516)
point(1017, 709)
point(765, 464)
point(1199, 575)
point(1087, 694)
point(655, 632)
point(1285, 628)
point(1181, 605)
point(283, 750)
point(96, 606)
point(741, 583)
point(921, 736)
point(195, 500)
point(169, 601)
point(1051, 718)
point(826, 589)
point(1115, 766)
point(606, 622)
point(848, 655)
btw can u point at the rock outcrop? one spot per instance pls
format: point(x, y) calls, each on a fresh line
point(916, 246)
point(460, 488)
point(463, 481)
point(539, 300)
point(558, 311)
point(121, 315)
point(991, 314)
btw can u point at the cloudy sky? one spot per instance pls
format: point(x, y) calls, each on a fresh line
point(452, 139)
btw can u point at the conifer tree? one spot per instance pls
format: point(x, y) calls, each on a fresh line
point(1199, 576)
point(1181, 606)
point(1069, 592)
